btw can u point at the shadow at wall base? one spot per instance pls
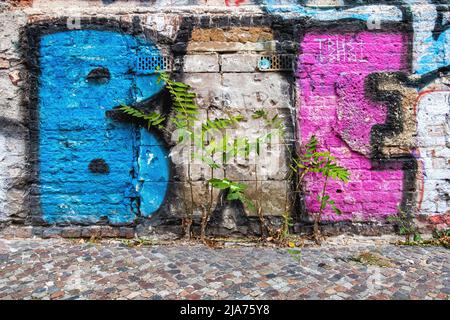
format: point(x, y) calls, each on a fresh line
point(347, 227)
point(174, 231)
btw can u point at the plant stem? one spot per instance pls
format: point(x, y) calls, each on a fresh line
point(262, 224)
point(191, 207)
point(318, 218)
point(206, 213)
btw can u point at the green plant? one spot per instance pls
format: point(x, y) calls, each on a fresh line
point(405, 225)
point(296, 254)
point(373, 259)
point(138, 242)
point(323, 163)
point(216, 153)
point(221, 123)
point(185, 119)
point(287, 223)
point(437, 234)
point(185, 116)
point(442, 237)
point(274, 126)
point(183, 101)
point(235, 190)
point(154, 119)
point(186, 111)
point(213, 151)
point(275, 123)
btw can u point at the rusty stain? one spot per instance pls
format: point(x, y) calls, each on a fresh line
point(21, 3)
point(234, 34)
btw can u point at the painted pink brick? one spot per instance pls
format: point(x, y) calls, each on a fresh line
point(334, 107)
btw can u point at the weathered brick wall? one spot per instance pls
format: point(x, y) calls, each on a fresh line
point(368, 79)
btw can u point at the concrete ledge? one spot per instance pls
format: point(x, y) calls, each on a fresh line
point(12, 231)
point(249, 227)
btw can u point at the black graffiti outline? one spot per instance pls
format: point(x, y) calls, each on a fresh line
point(440, 26)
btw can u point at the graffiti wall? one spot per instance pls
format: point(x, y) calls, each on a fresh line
point(370, 79)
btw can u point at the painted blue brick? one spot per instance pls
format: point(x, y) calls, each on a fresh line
point(151, 196)
point(151, 160)
point(74, 130)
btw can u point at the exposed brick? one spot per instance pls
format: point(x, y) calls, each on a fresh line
point(110, 232)
point(125, 232)
point(4, 63)
point(24, 232)
point(235, 34)
point(15, 77)
point(52, 232)
point(8, 232)
point(71, 232)
point(21, 3)
point(94, 231)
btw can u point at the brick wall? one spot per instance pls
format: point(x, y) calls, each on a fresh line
point(369, 80)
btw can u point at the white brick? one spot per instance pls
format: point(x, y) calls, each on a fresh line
point(238, 62)
point(201, 63)
point(206, 86)
point(257, 90)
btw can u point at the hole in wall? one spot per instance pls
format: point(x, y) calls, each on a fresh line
point(98, 166)
point(99, 75)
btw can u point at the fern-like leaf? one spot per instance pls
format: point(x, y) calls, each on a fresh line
point(153, 119)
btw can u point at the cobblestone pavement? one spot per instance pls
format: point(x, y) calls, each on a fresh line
point(64, 269)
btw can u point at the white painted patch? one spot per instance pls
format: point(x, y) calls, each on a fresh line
point(3, 170)
point(150, 157)
point(163, 24)
point(433, 139)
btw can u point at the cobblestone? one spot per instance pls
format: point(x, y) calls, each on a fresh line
point(64, 269)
